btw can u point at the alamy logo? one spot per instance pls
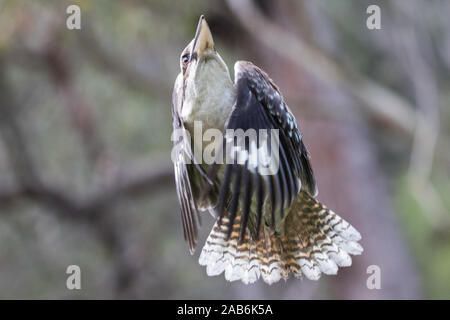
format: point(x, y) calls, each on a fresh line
point(257, 149)
point(374, 280)
point(373, 21)
point(73, 281)
point(73, 21)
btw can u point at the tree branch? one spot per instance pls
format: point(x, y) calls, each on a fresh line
point(64, 205)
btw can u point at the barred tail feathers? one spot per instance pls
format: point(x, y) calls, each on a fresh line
point(315, 241)
point(247, 260)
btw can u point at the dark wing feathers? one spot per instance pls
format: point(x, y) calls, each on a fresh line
point(248, 192)
point(259, 105)
point(270, 98)
point(189, 213)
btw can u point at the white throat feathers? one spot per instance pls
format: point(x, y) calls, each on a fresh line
point(209, 94)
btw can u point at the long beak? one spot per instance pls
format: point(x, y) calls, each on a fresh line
point(203, 38)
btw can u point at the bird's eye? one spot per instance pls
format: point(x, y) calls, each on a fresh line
point(185, 58)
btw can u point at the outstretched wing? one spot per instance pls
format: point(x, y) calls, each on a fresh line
point(181, 154)
point(260, 105)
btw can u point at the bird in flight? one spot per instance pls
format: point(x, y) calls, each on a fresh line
point(268, 221)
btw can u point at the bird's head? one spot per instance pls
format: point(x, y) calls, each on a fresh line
point(199, 49)
point(203, 73)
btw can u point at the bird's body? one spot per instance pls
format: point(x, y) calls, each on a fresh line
point(268, 225)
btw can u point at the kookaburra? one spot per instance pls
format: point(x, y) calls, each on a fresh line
point(267, 225)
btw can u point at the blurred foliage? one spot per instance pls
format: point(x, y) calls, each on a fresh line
point(431, 248)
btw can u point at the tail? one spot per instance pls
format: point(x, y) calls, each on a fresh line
point(315, 241)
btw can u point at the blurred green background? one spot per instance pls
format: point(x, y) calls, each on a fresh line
point(85, 125)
